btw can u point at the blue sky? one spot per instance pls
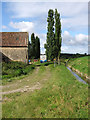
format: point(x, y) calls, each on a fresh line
point(32, 17)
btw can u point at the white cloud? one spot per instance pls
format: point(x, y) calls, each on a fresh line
point(4, 27)
point(74, 44)
point(78, 39)
point(21, 9)
point(81, 38)
point(24, 10)
point(77, 23)
point(74, 16)
point(23, 26)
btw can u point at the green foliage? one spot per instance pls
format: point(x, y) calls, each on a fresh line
point(53, 46)
point(28, 69)
point(37, 47)
point(50, 35)
point(57, 35)
point(18, 72)
point(33, 44)
point(34, 47)
point(14, 69)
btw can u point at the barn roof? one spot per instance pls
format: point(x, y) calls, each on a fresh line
point(12, 39)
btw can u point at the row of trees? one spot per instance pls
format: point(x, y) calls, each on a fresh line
point(34, 49)
point(53, 42)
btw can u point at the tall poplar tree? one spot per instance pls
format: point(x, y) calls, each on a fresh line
point(57, 35)
point(50, 35)
point(37, 47)
point(33, 44)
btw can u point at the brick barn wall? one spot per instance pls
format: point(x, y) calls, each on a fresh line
point(16, 53)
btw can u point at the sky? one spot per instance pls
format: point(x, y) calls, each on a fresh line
point(32, 17)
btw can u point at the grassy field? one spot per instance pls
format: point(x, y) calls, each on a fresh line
point(58, 95)
point(80, 64)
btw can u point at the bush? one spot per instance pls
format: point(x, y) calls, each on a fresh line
point(14, 69)
point(6, 76)
point(28, 69)
point(17, 72)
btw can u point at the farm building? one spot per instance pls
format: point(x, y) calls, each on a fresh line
point(14, 46)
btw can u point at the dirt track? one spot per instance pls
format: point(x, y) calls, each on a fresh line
point(30, 83)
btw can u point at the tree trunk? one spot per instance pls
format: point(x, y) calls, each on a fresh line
point(59, 60)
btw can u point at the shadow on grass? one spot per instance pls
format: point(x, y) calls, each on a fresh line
point(44, 64)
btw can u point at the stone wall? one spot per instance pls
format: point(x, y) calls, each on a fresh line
point(16, 53)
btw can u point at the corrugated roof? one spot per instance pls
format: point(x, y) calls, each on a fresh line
point(13, 39)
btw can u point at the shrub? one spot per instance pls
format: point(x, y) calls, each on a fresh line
point(17, 72)
point(28, 69)
point(14, 69)
point(6, 76)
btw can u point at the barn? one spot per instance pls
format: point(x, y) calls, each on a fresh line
point(14, 46)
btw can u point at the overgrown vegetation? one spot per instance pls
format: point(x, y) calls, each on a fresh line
point(14, 69)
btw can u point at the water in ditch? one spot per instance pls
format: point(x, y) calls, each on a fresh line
point(77, 77)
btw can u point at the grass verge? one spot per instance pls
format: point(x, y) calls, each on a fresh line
point(80, 64)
